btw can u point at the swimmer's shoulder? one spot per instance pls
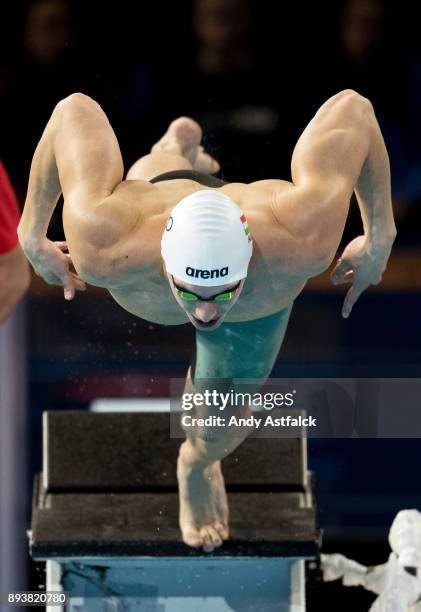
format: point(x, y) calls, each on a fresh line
point(134, 215)
point(134, 193)
point(274, 209)
point(258, 196)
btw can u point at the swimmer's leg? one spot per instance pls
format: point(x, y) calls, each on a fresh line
point(233, 353)
point(241, 350)
point(178, 149)
point(235, 350)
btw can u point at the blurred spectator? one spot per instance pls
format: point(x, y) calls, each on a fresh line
point(362, 31)
point(42, 69)
point(221, 76)
point(373, 59)
point(222, 29)
point(230, 93)
point(252, 74)
point(14, 269)
point(47, 31)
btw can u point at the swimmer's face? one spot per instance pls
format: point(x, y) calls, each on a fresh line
point(205, 315)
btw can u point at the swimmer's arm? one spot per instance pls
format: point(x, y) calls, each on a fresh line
point(79, 155)
point(341, 149)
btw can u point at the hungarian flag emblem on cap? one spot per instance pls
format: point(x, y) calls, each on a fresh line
point(245, 225)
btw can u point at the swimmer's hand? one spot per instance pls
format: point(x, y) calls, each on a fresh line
point(52, 261)
point(362, 264)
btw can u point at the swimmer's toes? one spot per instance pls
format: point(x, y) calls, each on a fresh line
point(192, 537)
point(205, 163)
point(222, 530)
point(208, 543)
point(187, 132)
point(216, 538)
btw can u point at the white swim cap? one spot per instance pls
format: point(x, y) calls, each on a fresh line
point(206, 240)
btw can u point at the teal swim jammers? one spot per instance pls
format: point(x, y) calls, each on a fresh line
point(240, 350)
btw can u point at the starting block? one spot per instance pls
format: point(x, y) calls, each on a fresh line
point(105, 520)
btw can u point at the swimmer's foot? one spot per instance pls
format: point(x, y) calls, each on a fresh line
point(203, 515)
point(183, 138)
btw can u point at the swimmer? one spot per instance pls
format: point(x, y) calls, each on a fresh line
point(14, 269)
point(173, 244)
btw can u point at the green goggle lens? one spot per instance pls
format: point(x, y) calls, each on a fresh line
point(191, 297)
point(185, 295)
point(224, 297)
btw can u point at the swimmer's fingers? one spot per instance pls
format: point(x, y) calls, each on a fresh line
point(346, 278)
point(79, 283)
point(69, 259)
point(62, 279)
point(342, 272)
point(62, 245)
point(75, 274)
point(72, 284)
point(69, 287)
point(205, 162)
point(52, 263)
point(69, 281)
point(351, 297)
point(69, 291)
point(65, 250)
